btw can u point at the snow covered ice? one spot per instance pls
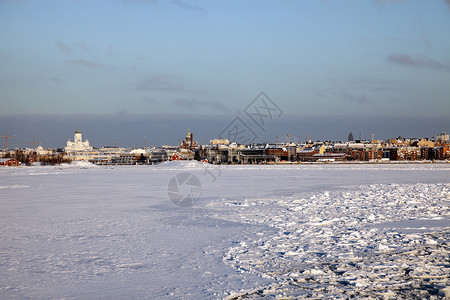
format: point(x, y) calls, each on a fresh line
point(285, 231)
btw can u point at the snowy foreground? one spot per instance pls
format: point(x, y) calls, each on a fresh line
point(287, 231)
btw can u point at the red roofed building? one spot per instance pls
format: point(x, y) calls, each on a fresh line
point(9, 162)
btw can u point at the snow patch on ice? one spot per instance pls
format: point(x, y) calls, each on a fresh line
point(329, 242)
point(181, 164)
point(14, 186)
point(79, 164)
point(446, 291)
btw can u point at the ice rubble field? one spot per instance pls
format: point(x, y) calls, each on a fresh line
point(292, 231)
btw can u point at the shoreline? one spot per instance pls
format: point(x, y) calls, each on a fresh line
point(83, 163)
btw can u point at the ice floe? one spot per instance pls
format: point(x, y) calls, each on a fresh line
point(347, 243)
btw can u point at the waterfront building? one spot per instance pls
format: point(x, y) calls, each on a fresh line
point(78, 144)
point(9, 162)
point(189, 143)
point(443, 137)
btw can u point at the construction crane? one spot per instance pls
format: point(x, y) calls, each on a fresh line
point(34, 142)
point(7, 137)
point(289, 147)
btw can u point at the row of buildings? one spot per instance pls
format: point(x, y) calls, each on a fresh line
point(222, 151)
point(367, 151)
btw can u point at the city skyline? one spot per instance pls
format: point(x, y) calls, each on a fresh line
point(128, 69)
point(123, 132)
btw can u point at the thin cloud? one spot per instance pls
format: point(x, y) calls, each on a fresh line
point(357, 99)
point(63, 47)
point(377, 81)
point(187, 6)
point(422, 41)
point(121, 113)
point(81, 46)
point(54, 79)
point(389, 1)
point(196, 104)
point(381, 85)
point(418, 62)
point(388, 89)
point(394, 1)
point(149, 100)
point(159, 83)
point(85, 63)
point(179, 3)
point(426, 42)
point(137, 1)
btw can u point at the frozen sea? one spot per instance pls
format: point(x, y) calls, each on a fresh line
point(242, 232)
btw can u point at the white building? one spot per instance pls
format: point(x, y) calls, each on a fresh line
point(443, 137)
point(77, 144)
point(41, 151)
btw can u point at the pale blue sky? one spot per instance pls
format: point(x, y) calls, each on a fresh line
point(313, 58)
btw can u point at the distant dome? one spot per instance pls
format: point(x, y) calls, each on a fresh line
point(78, 131)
